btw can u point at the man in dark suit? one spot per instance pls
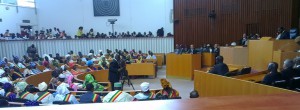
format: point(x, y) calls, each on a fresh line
point(192, 50)
point(90, 97)
point(273, 76)
point(288, 71)
point(220, 68)
point(114, 71)
point(282, 34)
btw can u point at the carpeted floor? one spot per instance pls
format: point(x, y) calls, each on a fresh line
point(183, 86)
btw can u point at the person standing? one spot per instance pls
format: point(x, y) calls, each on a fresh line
point(114, 71)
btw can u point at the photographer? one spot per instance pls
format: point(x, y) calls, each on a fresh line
point(114, 71)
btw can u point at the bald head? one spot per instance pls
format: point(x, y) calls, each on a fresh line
point(288, 63)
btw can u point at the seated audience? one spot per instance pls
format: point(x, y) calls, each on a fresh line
point(7, 34)
point(16, 74)
point(117, 95)
point(192, 50)
point(273, 76)
point(219, 68)
point(17, 62)
point(9, 91)
point(160, 32)
point(151, 55)
point(297, 66)
point(34, 69)
point(91, 33)
point(194, 94)
point(70, 82)
point(44, 96)
point(63, 94)
point(145, 94)
point(80, 33)
point(90, 65)
point(90, 97)
point(23, 92)
point(89, 79)
point(167, 92)
point(244, 40)
point(282, 34)
point(288, 71)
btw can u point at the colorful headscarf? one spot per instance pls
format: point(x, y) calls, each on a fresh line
point(89, 63)
point(165, 83)
point(89, 79)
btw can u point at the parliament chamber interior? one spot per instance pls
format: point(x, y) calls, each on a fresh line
point(150, 54)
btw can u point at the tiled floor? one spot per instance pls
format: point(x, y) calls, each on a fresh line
point(184, 87)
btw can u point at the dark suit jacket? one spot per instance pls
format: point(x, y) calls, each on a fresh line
point(271, 78)
point(114, 74)
point(285, 35)
point(220, 69)
point(194, 51)
point(88, 98)
point(288, 73)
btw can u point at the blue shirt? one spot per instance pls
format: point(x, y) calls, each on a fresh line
point(88, 98)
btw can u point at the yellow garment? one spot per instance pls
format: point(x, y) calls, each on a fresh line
point(79, 33)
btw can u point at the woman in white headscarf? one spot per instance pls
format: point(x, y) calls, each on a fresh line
point(145, 94)
point(63, 94)
point(43, 96)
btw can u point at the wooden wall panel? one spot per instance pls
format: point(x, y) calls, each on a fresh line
point(233, 18)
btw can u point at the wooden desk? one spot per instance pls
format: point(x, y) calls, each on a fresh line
point(39, 78)
point(182, 65)
point(254, 77)
point(261, 102)
point(141, 69)
point(211, 85)
point(235, 55)
point(208, 59)
point(261, 51)
point(279, 57)
point(160, 58)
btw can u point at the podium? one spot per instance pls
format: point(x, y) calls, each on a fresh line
point(208, 59)
point(182, 65)
point(235, 55)
point(261, 52)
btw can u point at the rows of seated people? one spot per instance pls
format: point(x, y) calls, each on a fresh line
point(179, 49)
point(34, 96)
point(29, 65)
point(58, 34)
point(287, 78)
point(92, 34)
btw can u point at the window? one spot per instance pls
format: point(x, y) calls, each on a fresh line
point(26, 3)
point(23, 3)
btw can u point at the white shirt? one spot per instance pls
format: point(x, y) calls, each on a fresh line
point(20, 65)
point(47, 100)
point(151, 57)
point(60, 97)
point(141, 96)
point(2, 92)
point(123, 97)
point(47, 69)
